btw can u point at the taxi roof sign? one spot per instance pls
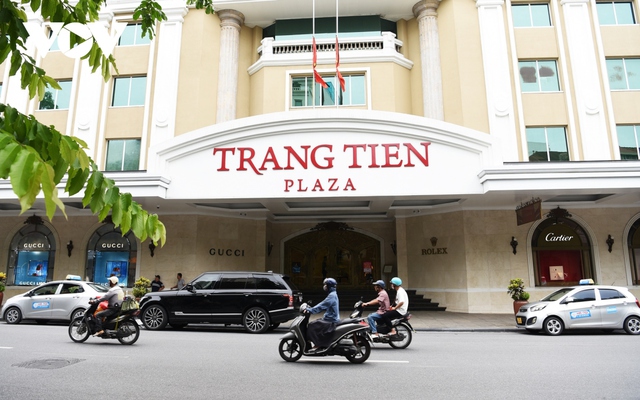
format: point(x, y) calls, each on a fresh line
point(587, 282)
point(73, 277)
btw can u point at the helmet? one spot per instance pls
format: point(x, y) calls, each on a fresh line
point(396, 281)
point(113, 279)
point(330, 282)
point(379, 283)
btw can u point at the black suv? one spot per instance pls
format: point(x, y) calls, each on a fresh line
point(256, 300)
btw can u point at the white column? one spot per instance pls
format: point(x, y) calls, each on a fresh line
point(497, 77)
point(425, 12)
point(230, 22)
point(87, 107)
point(584, 71)
point(167, 68)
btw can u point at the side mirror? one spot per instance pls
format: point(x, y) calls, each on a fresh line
point(568, 300)
point(189, 287)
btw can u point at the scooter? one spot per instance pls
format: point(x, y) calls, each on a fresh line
point(121, 326)
point(400, 340)
point(350, 340)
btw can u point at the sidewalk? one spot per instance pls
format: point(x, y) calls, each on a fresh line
point(461, 322)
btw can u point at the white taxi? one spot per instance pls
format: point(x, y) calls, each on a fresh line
point(582, 307)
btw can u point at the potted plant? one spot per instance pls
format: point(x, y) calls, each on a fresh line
point(141, 287)
point(517, 293)
point(3, 279)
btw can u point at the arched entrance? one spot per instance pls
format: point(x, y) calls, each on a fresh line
point(352, 258)
point(32, 255)
point(561, 251)
point(111, 254)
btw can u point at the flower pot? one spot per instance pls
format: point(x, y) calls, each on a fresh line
point(517, 304)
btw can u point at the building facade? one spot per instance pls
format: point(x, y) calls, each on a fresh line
point(454, 114)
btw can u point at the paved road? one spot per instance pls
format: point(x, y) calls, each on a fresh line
point(41, 362)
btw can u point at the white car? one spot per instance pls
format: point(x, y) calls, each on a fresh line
point(582, 307)
point(57, 300)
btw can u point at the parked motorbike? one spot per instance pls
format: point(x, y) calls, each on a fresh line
point(349, 340)
point(400, 340)
point(121, 326)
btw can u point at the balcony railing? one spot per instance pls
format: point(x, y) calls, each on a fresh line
point(383, 48)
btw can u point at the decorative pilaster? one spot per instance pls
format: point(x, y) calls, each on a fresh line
point(497, 77)
point(584, 72)
point(231, 22)
point(425, 12)
point(167, 68)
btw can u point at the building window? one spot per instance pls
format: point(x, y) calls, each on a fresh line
point(615, 13)
point(129, 91)
point(624, 73)
point(528, 15)
point(123, 155)
point(302, 91)
point(55, 99)
point(547, 144)
point(539, 76)
point(629, 141)
point(132, 36)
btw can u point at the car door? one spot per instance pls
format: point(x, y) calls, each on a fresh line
point(68, 299)
point(232, 297)
point(582, 312)
point(197, 303)
point(613, 307)
point(41, 301)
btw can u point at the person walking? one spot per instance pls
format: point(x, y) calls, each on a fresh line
point(156, 284)
point(180, 284)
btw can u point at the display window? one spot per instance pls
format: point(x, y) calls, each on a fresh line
point(633, 241)
point(32, 255)
point(561, 253)
point(111, 254)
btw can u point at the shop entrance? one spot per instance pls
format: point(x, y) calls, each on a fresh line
point(352, 258)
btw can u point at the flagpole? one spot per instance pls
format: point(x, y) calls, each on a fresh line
point(313, 38)
point(336, 83)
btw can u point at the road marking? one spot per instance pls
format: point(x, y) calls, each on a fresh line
point(317, 359)
point(7, 348)
point(389, 361)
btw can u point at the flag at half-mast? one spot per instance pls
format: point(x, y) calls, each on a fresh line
point(316, 75)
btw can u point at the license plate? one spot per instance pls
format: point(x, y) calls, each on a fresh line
point(520, 320)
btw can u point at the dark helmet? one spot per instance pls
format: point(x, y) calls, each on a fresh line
point(330, 282)
point(379, 283)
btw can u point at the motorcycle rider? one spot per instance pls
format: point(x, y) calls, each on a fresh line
point(383, 306)
point(115, 295)
point(319, 331)
point(400, 306)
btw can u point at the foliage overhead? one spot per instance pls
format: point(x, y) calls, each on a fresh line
point(35, 157)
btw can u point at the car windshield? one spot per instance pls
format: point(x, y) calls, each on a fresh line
point(557, 294)
point(98, 288)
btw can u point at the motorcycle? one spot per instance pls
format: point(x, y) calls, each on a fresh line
point(349, 340)
point(400, 340)
point(121, 326)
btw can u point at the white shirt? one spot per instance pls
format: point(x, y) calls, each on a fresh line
point(402, 296)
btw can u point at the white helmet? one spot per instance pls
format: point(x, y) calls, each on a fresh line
point(113, 279)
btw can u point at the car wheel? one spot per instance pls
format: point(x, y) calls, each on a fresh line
point(404, 332)
point(553, 326)
point(13, 316)
point(256, 320)
point(632, 325)
point(128, 332)
point(290, 349)
point(77, 313)
point(154, 317)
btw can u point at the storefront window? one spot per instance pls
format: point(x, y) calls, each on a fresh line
point(111, 254)
point(561, 253)
point(633, 241)
point(32, 255)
